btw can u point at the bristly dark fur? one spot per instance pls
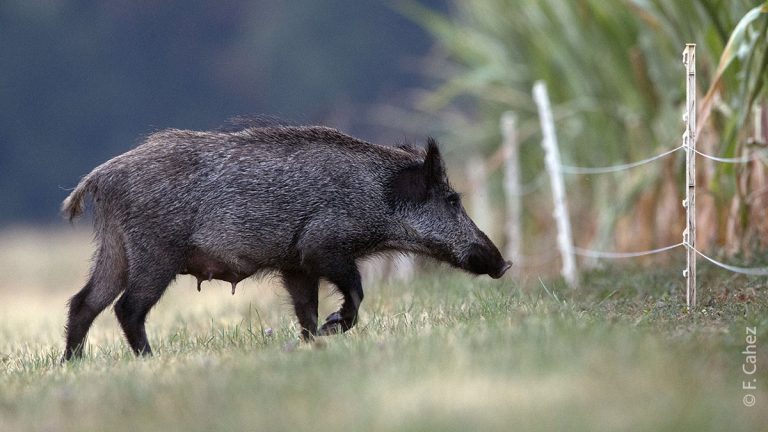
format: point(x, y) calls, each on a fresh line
point(412, 149)
point(242, 122)
point(304, 202)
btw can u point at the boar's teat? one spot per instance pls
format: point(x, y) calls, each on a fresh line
point(204, 267)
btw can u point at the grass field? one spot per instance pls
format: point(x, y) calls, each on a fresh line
point(446, 352)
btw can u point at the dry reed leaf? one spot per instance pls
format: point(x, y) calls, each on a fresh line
point(726, 59)
point(758, 203)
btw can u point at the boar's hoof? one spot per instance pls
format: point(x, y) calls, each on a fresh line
point(335, 324)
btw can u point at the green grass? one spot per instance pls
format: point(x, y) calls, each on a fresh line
point(446, 352)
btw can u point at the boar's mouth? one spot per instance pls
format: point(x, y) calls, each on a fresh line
point(500, 272)
point(484, 260)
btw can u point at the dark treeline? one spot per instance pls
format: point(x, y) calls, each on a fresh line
point(81, 81)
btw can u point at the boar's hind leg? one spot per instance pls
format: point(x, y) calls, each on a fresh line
point(108, 279)
point(146, 284)
point(347, 281)
point(303, 291)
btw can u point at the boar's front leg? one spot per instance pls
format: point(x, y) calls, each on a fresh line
point(322, 253)
point(347, 280)
point(303, 290)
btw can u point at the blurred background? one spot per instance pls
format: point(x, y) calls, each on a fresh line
point(82, 81)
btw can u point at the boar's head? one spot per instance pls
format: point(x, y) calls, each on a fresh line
point(435, 220)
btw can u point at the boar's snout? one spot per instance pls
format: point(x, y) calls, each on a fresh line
point(503, 269)
point(483, 259)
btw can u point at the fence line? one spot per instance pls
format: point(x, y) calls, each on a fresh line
point(536, 183)
point(618, 255)
point(745, 159)
point(751, 271)
point(566, 169)
point(555, 171)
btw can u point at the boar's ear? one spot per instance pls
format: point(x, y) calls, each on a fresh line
point(413, 183)
point(434, 169)
point(409, 185)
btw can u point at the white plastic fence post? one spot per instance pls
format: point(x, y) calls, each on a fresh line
point(479, 203)
point(552, 160)
point(689, 139)
point(513, 220)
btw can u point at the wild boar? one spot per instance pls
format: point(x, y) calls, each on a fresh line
point(304, 202)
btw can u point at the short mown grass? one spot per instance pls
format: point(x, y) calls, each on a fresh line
point(445, 352)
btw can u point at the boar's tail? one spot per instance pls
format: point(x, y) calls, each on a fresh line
point(74, 204)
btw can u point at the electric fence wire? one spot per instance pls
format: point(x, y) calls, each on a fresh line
point(533, 185)
point(751, 271)
point(567, 169)
point(744, 159)
point(618, 255)
point(538, 260)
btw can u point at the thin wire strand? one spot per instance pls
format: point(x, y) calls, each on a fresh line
point(533, 185)
point(566, 169)
point(745, 159)
point(751, 271)
point(618, 255)
point(540, 259)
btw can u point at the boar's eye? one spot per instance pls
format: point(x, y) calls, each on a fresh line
point(454, 199)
